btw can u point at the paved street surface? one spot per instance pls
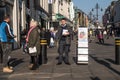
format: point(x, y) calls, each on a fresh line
point(101, 65)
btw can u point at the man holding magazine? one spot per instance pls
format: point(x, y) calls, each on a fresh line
point(63, 37)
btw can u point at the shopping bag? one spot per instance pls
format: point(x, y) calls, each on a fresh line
point(51, 40)
point(32, 50)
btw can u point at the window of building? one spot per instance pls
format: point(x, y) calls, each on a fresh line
point(2, 12)
point(66, 0)
point(68, 10)
point(61, 2)
point(28, 4)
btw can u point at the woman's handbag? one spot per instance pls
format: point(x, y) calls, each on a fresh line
point(25, 48)
point(32, 50)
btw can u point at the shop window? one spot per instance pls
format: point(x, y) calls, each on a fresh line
point(61, 2)
point(2, 12)
point(9, 11)
point(68, 10)
point(27, 3)
point(2, 3)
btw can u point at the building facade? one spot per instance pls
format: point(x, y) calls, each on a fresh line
point(22, 12)
point(47, 12)
point(60, 9)
point(111, 15)
point(14, 9)
point(81, 19)
point(42, 14)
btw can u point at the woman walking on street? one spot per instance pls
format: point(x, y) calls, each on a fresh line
point(100, 37)
point(33, 39)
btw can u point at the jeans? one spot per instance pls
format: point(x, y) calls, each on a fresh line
point(63, 48)
point(6, 49)
point(1, 54)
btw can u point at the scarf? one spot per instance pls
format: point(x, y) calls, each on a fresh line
point(27, 38)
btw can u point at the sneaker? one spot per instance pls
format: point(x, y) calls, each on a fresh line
point(11, 67)
point(7, 70)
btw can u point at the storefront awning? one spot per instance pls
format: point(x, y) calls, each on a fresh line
point(59, 16)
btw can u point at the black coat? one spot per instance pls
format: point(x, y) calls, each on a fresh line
point(67, 38)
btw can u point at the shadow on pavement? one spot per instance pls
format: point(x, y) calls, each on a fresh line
point(4, 78)
point(111, 61)
point(57, 57)
point(76, 62)
point(14, 61)
point(75, 59)
point(105, 44)
point(95, 78)
point(106, 64)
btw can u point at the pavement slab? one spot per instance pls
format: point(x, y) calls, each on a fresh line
point(101, 65)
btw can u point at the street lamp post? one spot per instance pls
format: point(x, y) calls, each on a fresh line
point(97, 7)
point(90, 16)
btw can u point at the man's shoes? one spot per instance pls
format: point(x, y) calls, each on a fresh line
point(33, 66)
point(59, 63)
point(67, 63)
point(30, 66)
point(7, 70)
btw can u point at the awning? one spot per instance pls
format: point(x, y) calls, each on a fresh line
point(59, 16)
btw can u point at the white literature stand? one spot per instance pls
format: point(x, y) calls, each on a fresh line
point(82, 47)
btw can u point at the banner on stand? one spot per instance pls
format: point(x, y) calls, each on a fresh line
point(82, 55)
point(82, 37)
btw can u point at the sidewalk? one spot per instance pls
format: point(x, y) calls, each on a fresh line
point(101, 65)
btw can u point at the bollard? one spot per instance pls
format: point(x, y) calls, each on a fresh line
point(43, 50)
point(117, 50)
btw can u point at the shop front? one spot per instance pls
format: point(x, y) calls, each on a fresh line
point(6, 9)
point(42, 17)
point(58, 17)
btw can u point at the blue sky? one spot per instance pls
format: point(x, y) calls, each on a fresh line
point(87, 5)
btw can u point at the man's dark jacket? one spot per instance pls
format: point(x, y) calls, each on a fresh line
point(67, 38)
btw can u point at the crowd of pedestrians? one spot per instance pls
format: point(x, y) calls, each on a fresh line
point(100, 34)
point(30, 42)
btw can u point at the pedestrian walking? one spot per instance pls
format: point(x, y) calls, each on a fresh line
point(23, 40)
point(63, 37)
point(52, 39)
point(6, 38)
point(100, 37)
point(90, 34)
point(33, 44)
